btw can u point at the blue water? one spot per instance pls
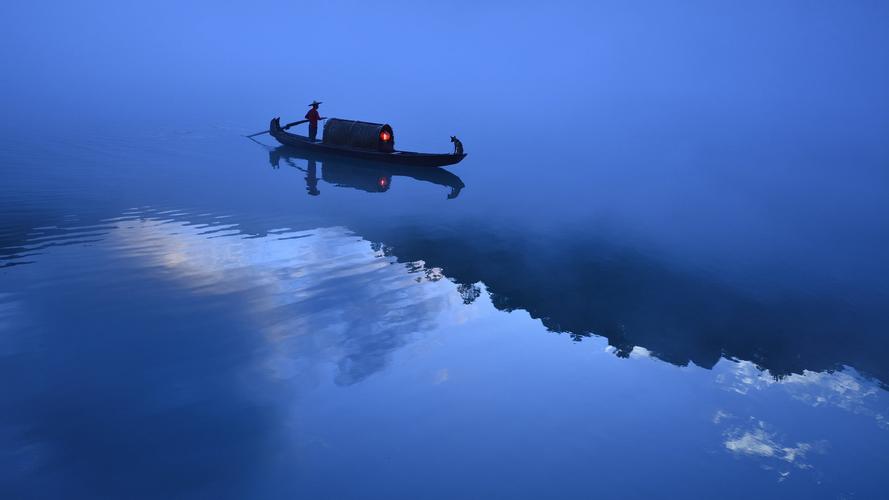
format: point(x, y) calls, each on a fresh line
point(659, 273)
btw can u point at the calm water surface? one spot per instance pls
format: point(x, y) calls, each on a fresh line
point(629, 290)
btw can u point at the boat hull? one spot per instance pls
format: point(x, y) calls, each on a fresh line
point(406, 158)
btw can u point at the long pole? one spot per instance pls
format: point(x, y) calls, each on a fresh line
point(285, 127)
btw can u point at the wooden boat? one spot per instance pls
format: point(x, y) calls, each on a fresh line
point(362, 140)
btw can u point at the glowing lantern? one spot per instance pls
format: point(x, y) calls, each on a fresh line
point(385, 136)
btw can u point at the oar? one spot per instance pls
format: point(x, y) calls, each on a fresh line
point(285, 127)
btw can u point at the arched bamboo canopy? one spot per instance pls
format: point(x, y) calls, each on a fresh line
point(359, 135)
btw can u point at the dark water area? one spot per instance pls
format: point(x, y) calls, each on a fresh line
point(659, 273)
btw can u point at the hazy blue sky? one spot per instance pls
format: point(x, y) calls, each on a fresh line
point(817, 59)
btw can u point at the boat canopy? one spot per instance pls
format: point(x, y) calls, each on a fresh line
point(359, 135)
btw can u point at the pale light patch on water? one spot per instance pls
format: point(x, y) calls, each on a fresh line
point(442, 376)
point(9, 316)
point(720, 415)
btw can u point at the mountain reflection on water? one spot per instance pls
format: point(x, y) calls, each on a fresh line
point(587, 286)
point(579, 286)
point(616, 293)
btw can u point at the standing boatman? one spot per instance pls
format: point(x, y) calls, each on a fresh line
point(313, 118)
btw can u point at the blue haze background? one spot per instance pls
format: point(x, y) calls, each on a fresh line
point(706, 181)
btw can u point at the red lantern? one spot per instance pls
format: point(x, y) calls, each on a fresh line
point(385, 136)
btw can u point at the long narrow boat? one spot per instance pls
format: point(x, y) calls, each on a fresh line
point(363, 140)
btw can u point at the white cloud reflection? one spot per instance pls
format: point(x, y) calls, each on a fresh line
point(760, 442)
point(845, 389)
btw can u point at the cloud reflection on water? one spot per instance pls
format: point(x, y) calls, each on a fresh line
point(760, 442)
point(845, 389)
point(325, 294)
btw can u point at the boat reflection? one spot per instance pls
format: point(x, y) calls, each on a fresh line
point(371, 177)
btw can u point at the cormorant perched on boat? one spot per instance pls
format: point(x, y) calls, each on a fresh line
point(313, 118)
point(458, 146)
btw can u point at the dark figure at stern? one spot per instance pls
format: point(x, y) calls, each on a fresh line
point(313, 118)
point(458, 146)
